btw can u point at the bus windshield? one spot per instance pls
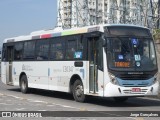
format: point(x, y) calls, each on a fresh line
point(131, 54)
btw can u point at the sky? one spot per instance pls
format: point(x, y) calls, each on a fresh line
point(21, 17)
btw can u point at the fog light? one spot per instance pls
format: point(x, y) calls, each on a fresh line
point(155, 80)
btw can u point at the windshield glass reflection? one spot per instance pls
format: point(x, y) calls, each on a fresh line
point(131, 54)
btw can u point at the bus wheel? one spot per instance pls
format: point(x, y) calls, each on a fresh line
point(24, 84)
point(121, 99)
point(78, 91)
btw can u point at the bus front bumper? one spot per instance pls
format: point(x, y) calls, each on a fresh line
point(112, 90)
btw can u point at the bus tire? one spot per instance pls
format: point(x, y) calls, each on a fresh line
point(24, 84)
point(78, 91)
point(120, 99)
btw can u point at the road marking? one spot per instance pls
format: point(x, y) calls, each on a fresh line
point(23, 98)
point(65, 106)
point(139, 118)
point(19, 109)
point(5, 104)
point(41, 110)
point(38, 101)
point(83, 109)
point(1, 94)
point(50, 105)
point(15, 97)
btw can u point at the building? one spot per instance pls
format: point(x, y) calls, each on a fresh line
point(71, 13)
point(77, 13)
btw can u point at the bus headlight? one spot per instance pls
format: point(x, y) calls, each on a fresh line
point(155, 80)
point(113, 79)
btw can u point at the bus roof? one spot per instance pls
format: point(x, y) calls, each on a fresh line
point(60, 32)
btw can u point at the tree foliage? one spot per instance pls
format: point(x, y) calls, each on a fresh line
point(156, 35)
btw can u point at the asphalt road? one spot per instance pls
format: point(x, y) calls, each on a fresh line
point(11, 99)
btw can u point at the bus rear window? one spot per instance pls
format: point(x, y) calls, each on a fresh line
point(127, 31)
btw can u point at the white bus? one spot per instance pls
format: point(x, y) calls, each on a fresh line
point(116, 61)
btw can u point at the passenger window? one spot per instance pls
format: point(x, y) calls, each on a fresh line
point(71, 50)
point(29, 50)
point(18, 51)
point(74, 49)
point(57, 52)
point(42, 49)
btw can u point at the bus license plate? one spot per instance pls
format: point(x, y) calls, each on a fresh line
point(136, 90)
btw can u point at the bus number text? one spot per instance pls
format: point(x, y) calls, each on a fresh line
point(68, 69)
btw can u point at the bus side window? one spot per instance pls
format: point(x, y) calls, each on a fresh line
point(42, 49)
point(80, 48)
point(57, 51)
point(18, 51)
point(74, 48)
point(70, 49)
point(29, 50)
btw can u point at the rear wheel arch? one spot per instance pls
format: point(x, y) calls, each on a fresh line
point(77, 88)
point(72, 80)
point(78, 91)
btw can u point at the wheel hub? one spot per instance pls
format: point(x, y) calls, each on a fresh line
point(79, 90)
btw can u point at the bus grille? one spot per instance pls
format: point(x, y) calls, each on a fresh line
point(135, 77)
point(136, 85)
point(143, 91)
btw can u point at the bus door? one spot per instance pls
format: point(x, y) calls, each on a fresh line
point(96, 64)
point(10, 52)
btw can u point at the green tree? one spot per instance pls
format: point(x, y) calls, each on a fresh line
point(156, 35)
